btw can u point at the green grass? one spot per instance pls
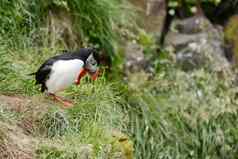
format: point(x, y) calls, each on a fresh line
point(94, 22)
point(174, 115)
point(181, 115)
point(97, 112)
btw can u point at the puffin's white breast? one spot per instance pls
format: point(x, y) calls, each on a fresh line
point(63, 74)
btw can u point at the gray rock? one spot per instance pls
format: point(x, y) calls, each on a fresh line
point(60, 28)
point(135, 60)
point(152, 14)
point(197, 43)
point(192, 25)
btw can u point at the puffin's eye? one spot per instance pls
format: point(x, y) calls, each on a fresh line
point(94, 63)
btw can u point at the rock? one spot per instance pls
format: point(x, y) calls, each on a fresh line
point(192, 25)
point(197, 43)
point(153, 13)
point(135, 59)
point(60, 28)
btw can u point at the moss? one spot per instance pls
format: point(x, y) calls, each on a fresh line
point(231, 35)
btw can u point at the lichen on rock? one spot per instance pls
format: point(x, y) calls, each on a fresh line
point(197, 43)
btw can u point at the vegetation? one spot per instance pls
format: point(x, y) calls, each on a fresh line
point(172, 114)
point(231, 35)
point(180, 115)
point(91, 22)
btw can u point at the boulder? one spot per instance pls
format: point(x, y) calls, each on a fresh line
point(135, 60)
point(197, 43)
point(60, 28)
point(152, 14)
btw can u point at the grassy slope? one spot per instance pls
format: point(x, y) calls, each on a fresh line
point(175, 115)
point(97, 113)
point(97, 118)
point(185, 115)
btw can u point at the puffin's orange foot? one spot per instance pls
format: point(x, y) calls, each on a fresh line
point(66, 103)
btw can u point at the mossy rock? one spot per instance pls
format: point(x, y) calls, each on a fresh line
point(231, 36)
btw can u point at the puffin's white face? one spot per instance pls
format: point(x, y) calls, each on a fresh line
point(91, 64)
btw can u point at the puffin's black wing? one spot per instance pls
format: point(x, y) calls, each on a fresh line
point(42, 75)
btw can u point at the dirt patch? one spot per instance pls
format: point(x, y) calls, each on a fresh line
point(14, 144)
point(29, 108)
point(14, 103)
point(16, 136)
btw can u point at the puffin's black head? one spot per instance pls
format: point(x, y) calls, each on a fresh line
point(91, 62)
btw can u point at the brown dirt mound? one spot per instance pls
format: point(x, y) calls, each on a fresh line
point(14, 144)
point(16, 137)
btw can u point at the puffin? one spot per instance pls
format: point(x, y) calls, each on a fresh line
point(61, 71)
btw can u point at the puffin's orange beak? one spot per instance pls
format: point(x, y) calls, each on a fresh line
point(95, 75)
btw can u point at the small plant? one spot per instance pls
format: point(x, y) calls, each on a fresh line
point(54, 124)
